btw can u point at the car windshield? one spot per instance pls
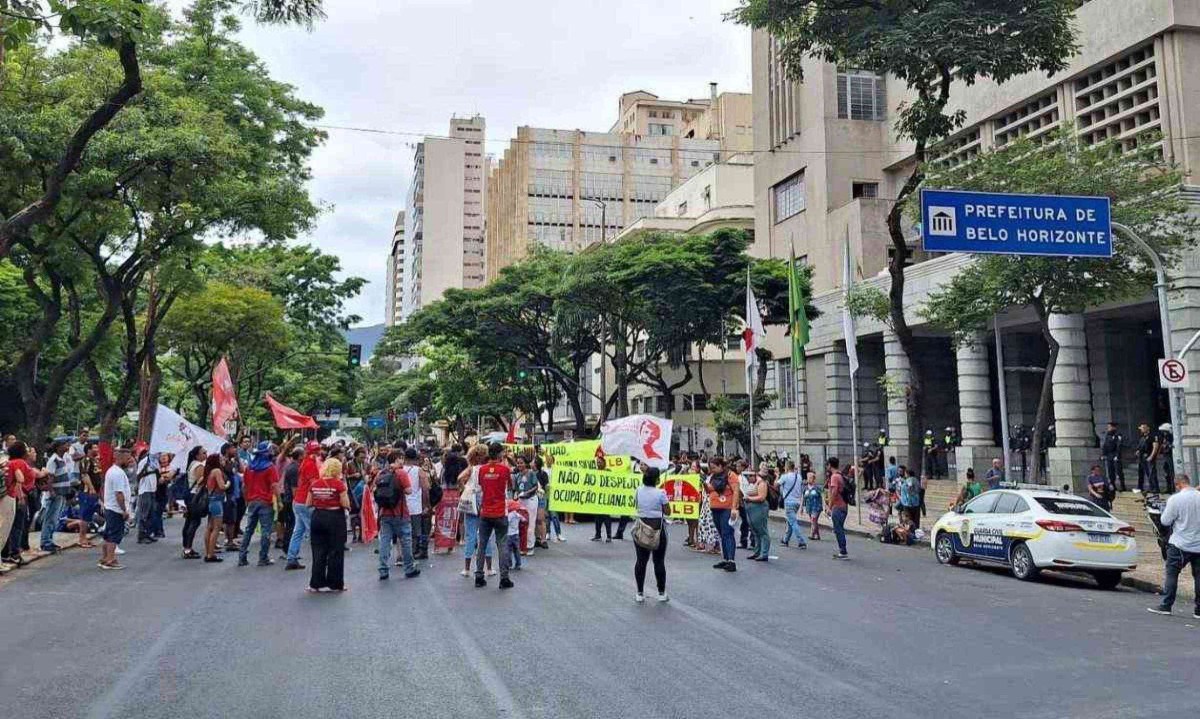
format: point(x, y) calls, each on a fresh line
point(1070, 505)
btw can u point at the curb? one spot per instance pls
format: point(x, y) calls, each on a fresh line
point(70, 541)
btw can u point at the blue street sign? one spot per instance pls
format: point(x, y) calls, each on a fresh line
point(375, 423)
point(994, 223)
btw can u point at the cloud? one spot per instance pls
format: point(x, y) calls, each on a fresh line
point(408, 66)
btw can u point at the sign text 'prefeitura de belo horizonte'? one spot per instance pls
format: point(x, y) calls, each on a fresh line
point(994, 223)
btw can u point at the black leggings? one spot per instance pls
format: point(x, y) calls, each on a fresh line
point(607, 522)
point(190, 525)
point(659, 554)
point(328, 549)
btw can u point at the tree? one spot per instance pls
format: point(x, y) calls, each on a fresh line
point(928, 45)
point(1143, 189)
point(118, 28)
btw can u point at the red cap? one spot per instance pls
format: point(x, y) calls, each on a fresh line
point(140, 448)
point(312, 447)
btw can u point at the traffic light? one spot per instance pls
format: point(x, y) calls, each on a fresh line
point(355, 355)
point(522, 373)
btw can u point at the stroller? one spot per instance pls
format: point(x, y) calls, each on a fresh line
point(1154, 509)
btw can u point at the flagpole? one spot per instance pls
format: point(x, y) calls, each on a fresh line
point(851, 337)
point(797, 362)
point(750, 380)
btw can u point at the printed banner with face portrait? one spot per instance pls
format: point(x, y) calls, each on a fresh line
point(644, 437)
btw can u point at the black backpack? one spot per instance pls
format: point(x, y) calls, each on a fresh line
point(387, 493)
point(720, 482)
point(848, 490)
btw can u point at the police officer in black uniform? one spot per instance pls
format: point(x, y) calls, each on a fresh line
point(870, 452)
point(1147, 454)
point(930, 450)
point(1110, 453)
point(1166, 450)
point(949, 442)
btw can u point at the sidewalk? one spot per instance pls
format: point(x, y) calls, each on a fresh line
point(66, 540)
point(1148, 577)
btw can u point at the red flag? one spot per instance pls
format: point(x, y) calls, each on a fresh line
point(370, 522)
point(224, 398)
point(512, 431)
point(288, 418)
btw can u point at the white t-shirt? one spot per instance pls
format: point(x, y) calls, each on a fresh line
point(650, 502)
point(414, 496)
point(148, 482)
point(1182, 514)
point(78, 451)
point(115, 480)
point(514, 523)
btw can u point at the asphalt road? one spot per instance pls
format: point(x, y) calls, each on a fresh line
point(888, 634)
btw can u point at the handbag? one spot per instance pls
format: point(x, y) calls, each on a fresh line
point(466, 501)
point(197, 504)
point(646, 536)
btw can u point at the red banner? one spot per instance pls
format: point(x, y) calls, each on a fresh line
point(224, 398)
point(370, 522)
point(288, 418)
point(445, 520)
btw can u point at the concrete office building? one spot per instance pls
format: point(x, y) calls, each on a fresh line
point(554, 187)
point(443, 237)
point(395, 273)
point(827, 159)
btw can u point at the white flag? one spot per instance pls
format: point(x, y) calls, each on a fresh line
point(754, 334)
point(847, 320)
point(178, 436)
point(641, 436)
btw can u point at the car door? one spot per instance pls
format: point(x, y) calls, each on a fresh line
point(976, 517)
point(1003, 524)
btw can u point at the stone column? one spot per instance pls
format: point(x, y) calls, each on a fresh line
point(1183, 303)
point(979, 444)
point(837, 400)
point(896, 365)
point(1072, 387)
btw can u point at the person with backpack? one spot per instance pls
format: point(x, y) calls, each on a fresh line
point(791, 493)
point(814, 504)
point(468, 506)
point(418, 502)
point(840, 493)
point(723, 499)
point(390, 488)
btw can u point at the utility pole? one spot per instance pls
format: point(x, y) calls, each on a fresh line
point(601, 413)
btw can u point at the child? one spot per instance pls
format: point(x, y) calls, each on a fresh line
point(515, 514)
point(813, 504)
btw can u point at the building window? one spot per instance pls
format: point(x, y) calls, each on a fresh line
point(707, 197)
point(612, 158)
point(789, 197)
point(654, 113)
point(861, 96)
point(733, 342)
point(653, 160)
point(699, 402)
point(662, 402)
point(865, 189)
point(695, 163)
point(681, 211)
point(655, 128)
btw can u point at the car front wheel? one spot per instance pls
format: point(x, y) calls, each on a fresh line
point(944, 550)
point(1023, 567)
point(1107, 580)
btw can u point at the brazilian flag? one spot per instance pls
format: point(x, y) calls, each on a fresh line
point(797, 319)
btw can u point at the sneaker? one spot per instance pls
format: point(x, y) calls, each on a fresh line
point(1196, 614)
point(465, 573)
point(663, 598)
point(761, 559)
point(840, 556)
point(730, 567)
point(490, 572)
point(1160, 610)
point(506, 583)
point(413, 573)
point(383, 576)
point(243, 562)
point(213, 560)
point(559, 539)
point(266, 563)
point(596, 539)
point(720, 565)
point(480, 582)
point(785, 544)
point(114, 565)
point(639, 597)
point(120, 552)
point(293, 565)
point(802, 546)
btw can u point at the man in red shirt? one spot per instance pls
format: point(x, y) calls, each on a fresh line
point(494, 479)
point(310, 469)
point(837, 507)
point(259, 487)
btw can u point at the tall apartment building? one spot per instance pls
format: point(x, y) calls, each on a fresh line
point(555, 187)
point(828, 157)
point(395, 273)
point(443, 237)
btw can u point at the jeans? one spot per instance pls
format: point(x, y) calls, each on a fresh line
point(658, 554)
point(553, 526)
point(145, 515)
point(54, 507)
point(721, 519)
point(1177, 559)
point(757, 513)
point(420, 537)
point(262, 515)
point(328, 549)
point(395, 528)
point(793, 527)
point(303, 529)
point(514, 550)
point(472, 538)
point(489, 526)
point(839, 528)
point(156, 517)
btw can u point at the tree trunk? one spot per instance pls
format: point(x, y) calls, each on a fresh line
point(1046, 398)
point(915, 392)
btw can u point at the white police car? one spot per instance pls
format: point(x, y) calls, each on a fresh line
point(1029, 530)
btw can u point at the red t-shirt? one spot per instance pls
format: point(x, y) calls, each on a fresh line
point(327, 492)
point(258, 485)
point(11, 487)
point(210, 480)
point(494, 478)
point(835, 492)
point(310, 469)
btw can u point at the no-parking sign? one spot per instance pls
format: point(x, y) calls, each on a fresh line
point(1172, 373)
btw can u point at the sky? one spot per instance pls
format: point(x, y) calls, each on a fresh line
point(406, 66)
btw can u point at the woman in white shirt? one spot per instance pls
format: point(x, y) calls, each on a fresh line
point(652, 508)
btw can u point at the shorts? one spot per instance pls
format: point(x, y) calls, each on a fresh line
point(216, 506)
point(114, 526)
